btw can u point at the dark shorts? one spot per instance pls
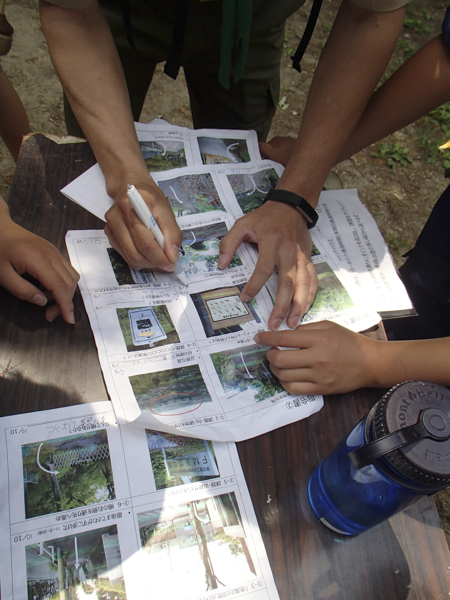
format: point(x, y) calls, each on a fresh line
point(249, 104)
point(426, 275)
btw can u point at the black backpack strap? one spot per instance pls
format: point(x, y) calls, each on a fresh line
point(125, 9)
point(175, 57)
point(312, 19)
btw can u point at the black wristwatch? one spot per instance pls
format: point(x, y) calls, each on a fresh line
point(295, 201)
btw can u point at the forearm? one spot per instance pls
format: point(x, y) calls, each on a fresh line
point(421, 84)
point(13, 118)
point(351, 64)
point(428, 360)
point(87, 63)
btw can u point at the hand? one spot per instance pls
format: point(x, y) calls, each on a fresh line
point(328, 359)
point(284, 242)
point(23, 252)
point(131, 238)
point(278, 149)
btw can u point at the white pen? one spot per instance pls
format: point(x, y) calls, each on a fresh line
point(143, 212)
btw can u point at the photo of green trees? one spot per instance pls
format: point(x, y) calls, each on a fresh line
point(201, 247)
point(85, 565)
point(67, 473)
point(173, 455)
point(191, 194)
point(250, 190)
point(175, 391)
point(331, 296)
point(195, 547)
point(245, 375)
point(163, 155)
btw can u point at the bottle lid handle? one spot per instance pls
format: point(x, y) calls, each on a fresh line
point(432, 424)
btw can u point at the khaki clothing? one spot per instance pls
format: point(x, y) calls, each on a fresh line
point(250, 103)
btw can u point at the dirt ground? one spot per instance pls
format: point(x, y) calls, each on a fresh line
point(400, 200)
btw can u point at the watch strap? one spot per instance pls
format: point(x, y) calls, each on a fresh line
point(297, 202)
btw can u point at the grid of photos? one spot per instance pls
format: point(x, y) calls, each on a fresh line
point(175, 521)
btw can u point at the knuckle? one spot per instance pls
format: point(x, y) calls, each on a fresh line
point(287, 283)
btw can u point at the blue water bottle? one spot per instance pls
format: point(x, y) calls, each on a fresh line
point(399, 452)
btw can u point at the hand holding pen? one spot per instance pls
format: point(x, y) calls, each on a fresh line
point(134, 241)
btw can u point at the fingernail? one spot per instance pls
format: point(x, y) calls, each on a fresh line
point(244, 297)
point(72, 318)
point(276, 324)
point(256, 338)
point(170, 268)
point(175, 251)
point(221, 262)
point(295, 322)
point(39, 299)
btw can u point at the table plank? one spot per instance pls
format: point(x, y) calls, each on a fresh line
point(46, 366)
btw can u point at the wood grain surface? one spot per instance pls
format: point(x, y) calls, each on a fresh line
point(45, 366)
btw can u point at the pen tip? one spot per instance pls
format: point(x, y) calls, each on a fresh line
point(129, 187)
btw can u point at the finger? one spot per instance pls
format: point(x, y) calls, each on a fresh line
point(303, 293)
point(287, 278)
point(162, 213)
point(52, 312)
point(278, 149)
point(173, 236)
point(230, 242)
point(288, 360)
point(22, 289)
point(264, 269)
point(60, 279)
point(313, 284)
point(301, 388)
point(303, 337)
point(134, 241)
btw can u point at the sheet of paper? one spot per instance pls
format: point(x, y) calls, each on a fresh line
point(91, 509)
point(165, 147)
point(198, 369)
point(352, 237)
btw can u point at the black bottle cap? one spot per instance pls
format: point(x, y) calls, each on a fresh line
point(426, 461)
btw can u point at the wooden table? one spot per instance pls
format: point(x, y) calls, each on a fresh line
point(45, 366)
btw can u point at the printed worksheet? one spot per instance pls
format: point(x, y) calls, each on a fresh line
point(352, 237)
point(181, 358)
point(92, 509)
point(166, 147)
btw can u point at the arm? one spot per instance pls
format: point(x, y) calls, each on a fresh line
point(421, 84)
point(23, 252)
point(329, 359)
point(87, 63)
point(349, 68)
point(13, 118)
